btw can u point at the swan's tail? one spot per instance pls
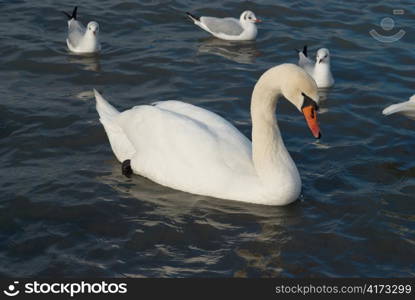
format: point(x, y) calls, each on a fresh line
point(106, 111)
point(120, 144)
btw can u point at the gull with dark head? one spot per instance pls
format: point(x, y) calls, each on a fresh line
point(320, 69)
point(230, 29)
point(82, 40)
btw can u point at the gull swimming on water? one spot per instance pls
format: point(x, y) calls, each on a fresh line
point(81, 39)
point(406, 108)
point(320, 70)
point(230, 29)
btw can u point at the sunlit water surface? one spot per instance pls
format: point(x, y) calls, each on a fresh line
point(66, 210)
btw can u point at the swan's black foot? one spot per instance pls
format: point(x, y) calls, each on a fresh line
point(126, 168)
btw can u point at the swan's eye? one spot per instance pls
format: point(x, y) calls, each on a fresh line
point(309, 102)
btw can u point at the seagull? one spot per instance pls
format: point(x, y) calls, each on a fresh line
point(230, 29)
point(406, 108)
point(320, 70)
point(81, 39)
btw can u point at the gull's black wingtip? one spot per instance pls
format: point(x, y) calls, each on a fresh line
point(73, 16)
point(193, 17)
point(305, 50)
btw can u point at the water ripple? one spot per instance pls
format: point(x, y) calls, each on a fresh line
point(66, 210)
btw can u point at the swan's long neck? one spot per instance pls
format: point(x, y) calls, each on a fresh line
point(271, 159)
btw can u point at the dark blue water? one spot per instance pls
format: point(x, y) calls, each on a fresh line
point(66, 210)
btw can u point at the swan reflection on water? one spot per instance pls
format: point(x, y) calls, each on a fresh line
point(255, 233)
point(173, 203)
point(244, 52)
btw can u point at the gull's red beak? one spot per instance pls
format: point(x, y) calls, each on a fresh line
point(310, 115)
point(258, 20)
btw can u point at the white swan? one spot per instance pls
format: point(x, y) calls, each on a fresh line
point(320, 70)
point(192, 149)
point(80, 39)
point(230, 29)
point(406, 108)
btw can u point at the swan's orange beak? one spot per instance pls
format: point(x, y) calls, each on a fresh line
point(310, 115)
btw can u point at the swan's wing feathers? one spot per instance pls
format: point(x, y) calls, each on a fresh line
point(235, 147)
point(229, 26)
point(172, 149)
point(176, 150)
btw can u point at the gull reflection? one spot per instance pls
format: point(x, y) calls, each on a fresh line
point(85, 95)
point(323, 94)
point(240, 52)
point(90, 62)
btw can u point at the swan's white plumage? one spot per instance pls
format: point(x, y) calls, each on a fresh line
point(174, 140)
point(120, 143)
point(230, 139)
point(406, 108)
point(194, 150)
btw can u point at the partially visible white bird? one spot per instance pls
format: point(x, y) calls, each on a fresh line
point(320, 70)
point(406, 108)
point(230, 29)
point(81, 39)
